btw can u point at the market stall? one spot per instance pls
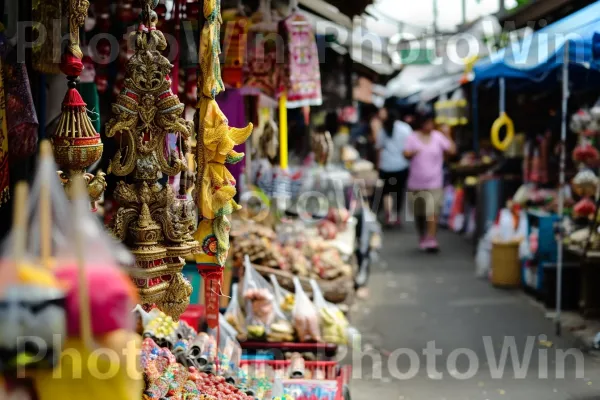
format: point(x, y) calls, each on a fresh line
point(168, 195)
point(569, 63)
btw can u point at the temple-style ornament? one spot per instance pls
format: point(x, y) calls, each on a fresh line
point(76, 143)
point(151, 220)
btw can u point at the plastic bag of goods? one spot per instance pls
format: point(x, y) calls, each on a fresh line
point(32, 299)
point(333, 322)
point(229, 351)
point(264, 318)
point(284, 298)
point(306, 318)
point(89, 267)
point(234, 315)
point(483, 257)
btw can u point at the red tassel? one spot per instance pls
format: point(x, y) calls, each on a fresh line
point(73, 99)
point(71, 65)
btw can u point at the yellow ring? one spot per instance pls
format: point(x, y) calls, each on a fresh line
point(503, 121)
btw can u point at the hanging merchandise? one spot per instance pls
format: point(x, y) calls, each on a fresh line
point(300, 77)
point(216, 187)
point(260, 76)
point(146, 112)
point(21, 118)
point(235, 38)
point(503, 121)
point(586, 122)
point(453, 111)
point(76, 143)
point(47, 18)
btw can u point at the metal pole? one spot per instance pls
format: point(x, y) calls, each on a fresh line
point(561, 193)
point(502, 100)
point(475, 111)
point(464, 11)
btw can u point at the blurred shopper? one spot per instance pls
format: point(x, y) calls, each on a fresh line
point(425, 149)
point(364, 135)
point(392, 165)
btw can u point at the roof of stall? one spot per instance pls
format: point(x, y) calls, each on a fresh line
point(538, 55)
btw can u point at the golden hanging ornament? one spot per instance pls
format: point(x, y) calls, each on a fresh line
point(155, 224)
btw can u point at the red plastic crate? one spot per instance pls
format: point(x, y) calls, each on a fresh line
point(330, 369)
point(193, 315)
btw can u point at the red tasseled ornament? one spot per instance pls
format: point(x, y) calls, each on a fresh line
point(73, 99)
point(71, 65)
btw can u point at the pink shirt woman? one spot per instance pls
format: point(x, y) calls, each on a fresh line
point(425, 149)
point(426, 166)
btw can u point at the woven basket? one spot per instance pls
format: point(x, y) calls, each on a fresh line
point(506, 265)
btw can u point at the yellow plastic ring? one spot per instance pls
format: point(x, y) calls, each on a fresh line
point(503, 121)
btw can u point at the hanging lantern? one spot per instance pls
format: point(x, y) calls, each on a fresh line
point(76, 143)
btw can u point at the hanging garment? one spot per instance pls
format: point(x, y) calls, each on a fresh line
point(261, 67)
point(234, 49)
point(47, 19)
point(300, 78)
point(21, 117)
point(4, 170)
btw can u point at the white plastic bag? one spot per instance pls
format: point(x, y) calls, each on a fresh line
point(506, 230)
point(234, 315)
point(483, 258)
point(306, 319)
point(229, 350)
point(264, 318)
point(284, 298)
point(333, 322)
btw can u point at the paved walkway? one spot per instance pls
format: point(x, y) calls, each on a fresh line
point(418, 299)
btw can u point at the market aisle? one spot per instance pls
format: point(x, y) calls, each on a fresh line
point(418, 298)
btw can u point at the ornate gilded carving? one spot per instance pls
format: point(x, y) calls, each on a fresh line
point(151, 220)
point(78, 11)
point(215, 142)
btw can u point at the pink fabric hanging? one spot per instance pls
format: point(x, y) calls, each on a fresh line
point(300, 77)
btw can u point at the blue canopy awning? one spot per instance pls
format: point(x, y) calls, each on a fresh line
point(538, 55)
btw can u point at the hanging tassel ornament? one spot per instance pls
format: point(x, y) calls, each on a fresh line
point(76, 143)
point(214, 150)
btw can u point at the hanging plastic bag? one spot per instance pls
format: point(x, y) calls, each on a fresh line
point(306, 319)
point(284, 298)
point(333, 322)
point(234, 315)
point(88, 267)
point(32, 300)
point(264, 318)
point(228, 348)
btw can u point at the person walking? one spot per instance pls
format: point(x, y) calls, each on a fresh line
point(426, 149)
point(392, 165)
